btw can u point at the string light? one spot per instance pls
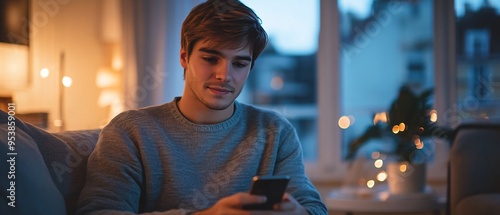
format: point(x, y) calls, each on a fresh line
point(395, 129)
point(434, 116)
point(381, 176)
point(344, 122)
point(375, 155)
point(402, 127)
point(370, 183)
point(379, 163)
point(403, 168)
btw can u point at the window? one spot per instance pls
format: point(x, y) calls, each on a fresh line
point(384, 45)
point(478, 59)
point(284, 77)
point(362, 59)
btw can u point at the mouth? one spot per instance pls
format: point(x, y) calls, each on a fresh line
point(220, 90)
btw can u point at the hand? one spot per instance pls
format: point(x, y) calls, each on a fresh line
point(289, 206)
point(233, 204)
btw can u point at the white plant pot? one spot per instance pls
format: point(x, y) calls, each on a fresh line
point(404, 178)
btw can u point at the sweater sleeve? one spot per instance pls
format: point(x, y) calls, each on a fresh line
point(114, 176)
point(290, 162)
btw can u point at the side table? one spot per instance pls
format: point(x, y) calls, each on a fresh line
point(384, 202)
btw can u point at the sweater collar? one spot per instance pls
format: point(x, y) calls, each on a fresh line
point(226, 124)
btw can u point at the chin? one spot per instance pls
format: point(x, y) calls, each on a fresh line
point(219, 104)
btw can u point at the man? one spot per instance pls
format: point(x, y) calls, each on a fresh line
point(198, 153)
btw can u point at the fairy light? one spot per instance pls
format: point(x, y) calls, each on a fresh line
point(344, 122)
point(434, 116)
point(375, 155)
point(402, 127)
point(378, 163)
point(395, 129)
point(370, 183)
point(403, 168)
point(381, 176)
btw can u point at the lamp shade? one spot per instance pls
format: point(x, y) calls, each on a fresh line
point(106, 78)
point(13, 67)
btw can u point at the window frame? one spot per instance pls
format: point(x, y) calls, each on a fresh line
point(329, 165)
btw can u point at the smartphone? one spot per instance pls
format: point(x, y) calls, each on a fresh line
point(273, 187)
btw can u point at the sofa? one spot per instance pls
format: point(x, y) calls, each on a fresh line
point(45, 172)
point(474, 169)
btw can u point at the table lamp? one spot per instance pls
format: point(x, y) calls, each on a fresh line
point(14, 47)
point(13, 68)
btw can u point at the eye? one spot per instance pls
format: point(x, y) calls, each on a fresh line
point(240, 65)
point(211, 60)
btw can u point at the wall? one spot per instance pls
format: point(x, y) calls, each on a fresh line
point(72, 27)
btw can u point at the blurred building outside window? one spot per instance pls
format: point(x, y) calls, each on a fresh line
point(478, 59)
point(284, 77)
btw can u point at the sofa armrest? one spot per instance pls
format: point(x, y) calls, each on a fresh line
point(474, 162)
point(482, 204)
point(33, 191)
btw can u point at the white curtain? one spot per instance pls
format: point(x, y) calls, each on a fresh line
point(151, 44)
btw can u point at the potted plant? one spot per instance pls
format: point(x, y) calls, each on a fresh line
point(408, 124)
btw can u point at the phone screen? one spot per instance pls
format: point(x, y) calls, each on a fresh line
point(273, 187)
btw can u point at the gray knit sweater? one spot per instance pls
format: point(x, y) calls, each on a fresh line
point(154, 159)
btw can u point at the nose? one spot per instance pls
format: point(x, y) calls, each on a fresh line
point(223, 72)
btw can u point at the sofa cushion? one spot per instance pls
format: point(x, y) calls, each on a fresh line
point(474, 162)
point(65, 155)
point(33, 191)
point(482, 204)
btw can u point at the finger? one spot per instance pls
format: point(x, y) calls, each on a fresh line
point(285, 206)
point(240, 199)
point(289, 198)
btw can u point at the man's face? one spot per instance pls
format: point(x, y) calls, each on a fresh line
point(215, 76)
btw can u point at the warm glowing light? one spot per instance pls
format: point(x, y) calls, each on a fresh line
point(380, 117)
point(277, 83)
point(370, 183)
point(58, 123)
point(421, 129)
point(14, 72)
point(108, 97)
point(403, 168)
point(378, 163)
point(344, 122)
point(375, 155)
point(416, 139)
point(402, 127)
point(395, 129)
point(117, 63)
point(106, 78)
point(381, 176)
point(67, 81)
point(434, 116)
point(419, 144)
point(44, 72)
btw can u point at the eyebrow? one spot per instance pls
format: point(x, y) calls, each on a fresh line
point(218, 53)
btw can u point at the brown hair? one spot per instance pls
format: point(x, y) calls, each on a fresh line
point(225, 23)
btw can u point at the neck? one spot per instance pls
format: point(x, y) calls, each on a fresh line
point(198, 113)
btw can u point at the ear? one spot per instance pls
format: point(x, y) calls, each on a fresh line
point(183, 58)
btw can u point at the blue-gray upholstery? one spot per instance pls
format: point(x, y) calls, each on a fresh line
point(50, 168)
point(474, 174)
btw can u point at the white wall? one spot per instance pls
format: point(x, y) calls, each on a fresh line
point(72, 26)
